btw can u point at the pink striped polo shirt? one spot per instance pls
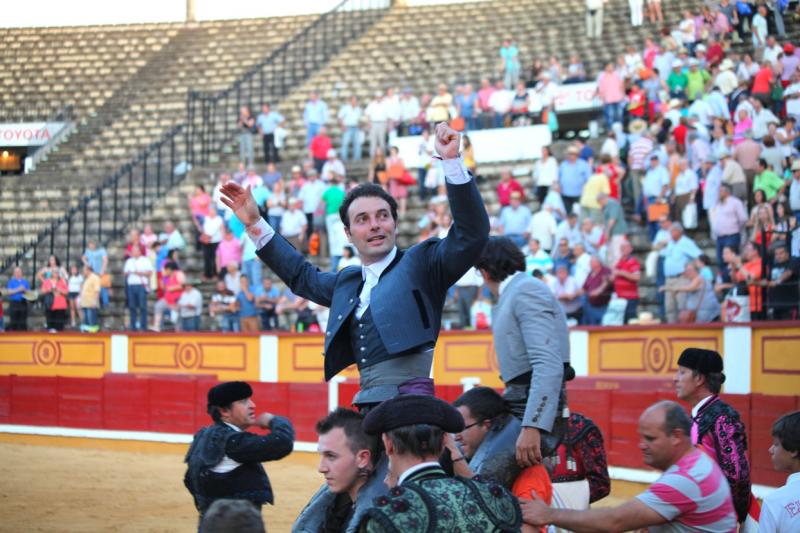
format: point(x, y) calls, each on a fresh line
point(693, 496)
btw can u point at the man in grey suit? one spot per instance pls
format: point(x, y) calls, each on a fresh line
point(384, 315)
point(531, 341)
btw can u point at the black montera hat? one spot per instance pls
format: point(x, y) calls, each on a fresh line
point(226, 393)
point(704, 361)
point(411, 409)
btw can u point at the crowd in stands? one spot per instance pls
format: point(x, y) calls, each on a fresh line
point(700, 148)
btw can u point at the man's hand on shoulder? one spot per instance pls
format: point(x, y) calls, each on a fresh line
point(241, 202)
point(448, 141)
point(264, 420)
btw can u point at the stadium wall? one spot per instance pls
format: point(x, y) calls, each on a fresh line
point(152, 387)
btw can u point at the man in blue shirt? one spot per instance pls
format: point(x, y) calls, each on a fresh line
point(97, 258)
point(655, 188)
point(315, 115)
point(573, 173)
point(18, 306)
point(515, 219)
point(267, 122)
point(680, 250)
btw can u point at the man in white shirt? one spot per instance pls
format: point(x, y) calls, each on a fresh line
point(409, 110)
point(500, 103)
point(137, 271)
point(780, 510)
point(349, 119)
point(190, 306)
point(310, 194)
point(759, 28)
point(772, 51)
point(332, 166)
point(294, 224)
point(568, 229)
point(377, 118)
point(543, 227)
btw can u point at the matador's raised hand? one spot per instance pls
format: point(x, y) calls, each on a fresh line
point(448, 141)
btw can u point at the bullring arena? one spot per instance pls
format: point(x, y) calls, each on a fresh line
point(105, 129)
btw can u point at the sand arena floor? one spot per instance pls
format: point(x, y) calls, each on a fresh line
point(69, 485)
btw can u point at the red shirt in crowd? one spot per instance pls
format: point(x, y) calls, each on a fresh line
point(762, 80)
point(680, 133)
point(505, 188)
point(594, 281)
point(320, 145)
point(626, 288)
point(637, 101)
point(714, 54)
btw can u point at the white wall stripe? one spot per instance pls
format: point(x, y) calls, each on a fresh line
point(119, 354)
point(737, 358)
point(579, 351)
point(268, 358)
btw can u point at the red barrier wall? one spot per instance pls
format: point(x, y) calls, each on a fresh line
point(177, 404)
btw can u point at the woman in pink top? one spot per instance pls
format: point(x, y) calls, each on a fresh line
point(229, 251)
point(611, 90)
point(55, 289)
point(198, 204)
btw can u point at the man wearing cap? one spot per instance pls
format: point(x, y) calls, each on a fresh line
point(532, 346)
point(573, 173)
point(716, 426)
point(224, 460)
point(385, 316)
point(413, 429)
point(733, 175)
point(332, 166)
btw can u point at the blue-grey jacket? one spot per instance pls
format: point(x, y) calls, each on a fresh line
point(407, 302)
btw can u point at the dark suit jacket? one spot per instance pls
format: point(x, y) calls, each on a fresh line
point(407, 302)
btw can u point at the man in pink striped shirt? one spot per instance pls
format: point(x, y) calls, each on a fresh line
point(692, 495)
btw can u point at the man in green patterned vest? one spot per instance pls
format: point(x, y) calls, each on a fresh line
point(423, 498)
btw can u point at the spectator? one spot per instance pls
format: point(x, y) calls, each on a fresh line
point(223, 308)
point(97, 258)
point(89, 300)
point(409, 114)
point(246, 306)
point(555, 202)
point(596, 185)
point(611, 90)
point(227, 515)
point(229, 251)
point(768, 181)
point(636, 12)
point(266, 303)
point(294, 224)
point(783, 294)
point(679, 251)
point(396, 172)
point(348, 258)
point(763, 227)
point(536, 258)
point(685, 188)
point(638, 153)
point(190, 306)
point(73, 291)
point(562, 255)
point(199, 203)
point(506, 186)
point(469, 155)
point(734, 175)
point(276, 205)
point(616, 228)
point(232, 277)
point(701, 304)
point(267, 122)
point(467, 107)
point(171, 287)
point(573, 174)
point(778, 509)
point(137, 271)
point(148, 237)
point(626, 277)
point(210, 239)
point(311, 196)
point(251, 264)
point(439, 108)
point(545, 173)
point(377, 120)
point(747, 270)
point(774, 155)
point(728, 221)
point(16, 288)
point(581, 263)
point(691, 490)
point(315, 116)
point(466, 292)
point(568, 229)
point(485, 110)
point(319, 147)
point(543, 227)
point(568, 293)
point(758, 27)
point(246, 125)
point(515, 219)
point(655, 190)
point(331, 200)
point(500, 102)
point(350, 119)
point(509, 56)
point(591, 236)
point(55, 292)
point(252, 179)
point(597, 287)
point(171, 237)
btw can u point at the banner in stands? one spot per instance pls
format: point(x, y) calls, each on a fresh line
point(28, 133)
point(570, 98)
point(506, 144)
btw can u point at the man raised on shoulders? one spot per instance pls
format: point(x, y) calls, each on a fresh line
point(392, 287)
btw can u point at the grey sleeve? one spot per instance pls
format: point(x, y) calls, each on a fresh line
point(538, 321)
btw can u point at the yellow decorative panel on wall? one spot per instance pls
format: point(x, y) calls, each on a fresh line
point(465, 354)
point(776, 360)
point(300, 359)
point(65, 354)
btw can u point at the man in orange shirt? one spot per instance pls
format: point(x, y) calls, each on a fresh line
point(749, 270)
